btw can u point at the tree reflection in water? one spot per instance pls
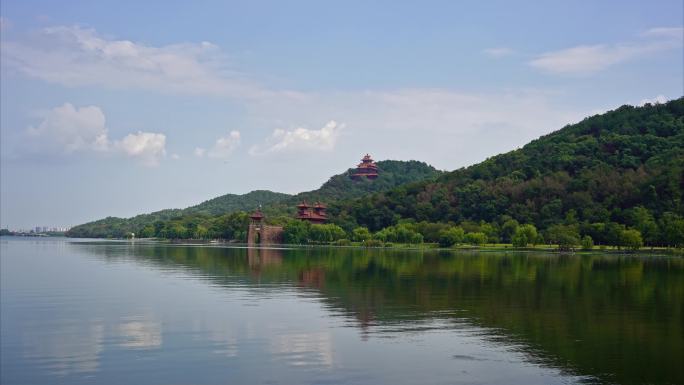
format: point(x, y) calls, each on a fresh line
point(617, 318)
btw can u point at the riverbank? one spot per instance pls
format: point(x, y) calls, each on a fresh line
point(497, 247)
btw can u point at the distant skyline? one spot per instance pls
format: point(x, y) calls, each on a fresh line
point(117, 108)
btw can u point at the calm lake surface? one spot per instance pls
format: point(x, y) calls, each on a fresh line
point(105, 312)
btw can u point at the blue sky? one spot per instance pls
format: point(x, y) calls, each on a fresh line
point(120, 108)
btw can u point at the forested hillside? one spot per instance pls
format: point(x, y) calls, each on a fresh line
point(612, 179)
point(393, 173)
point(112, 227)
point(620, 170)
point(220, 217)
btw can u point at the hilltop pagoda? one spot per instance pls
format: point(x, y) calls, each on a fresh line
point(366, 169)
point(312, 213)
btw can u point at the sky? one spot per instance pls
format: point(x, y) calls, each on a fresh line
point(116, 108)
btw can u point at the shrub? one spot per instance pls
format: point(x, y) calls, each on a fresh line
point(343, 242)
point(373, 243)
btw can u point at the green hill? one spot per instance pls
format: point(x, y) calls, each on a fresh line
point(339, 187)
point(622, 169)
point(231, 202)
point(612, 179)
point(112, 227)
point(392, 173)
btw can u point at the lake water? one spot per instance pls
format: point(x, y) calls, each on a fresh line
point(105, 312)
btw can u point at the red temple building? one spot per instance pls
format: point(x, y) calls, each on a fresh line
point(256, 217)
point(366, 169)
point(312, 213)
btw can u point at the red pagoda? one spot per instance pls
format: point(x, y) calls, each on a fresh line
point(366, 169)
point(312, 213)
point(257, 216)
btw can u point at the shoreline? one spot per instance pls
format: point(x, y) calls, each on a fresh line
point(606, 250)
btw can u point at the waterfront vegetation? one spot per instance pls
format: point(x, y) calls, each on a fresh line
point(411, 234)
point(612, 180)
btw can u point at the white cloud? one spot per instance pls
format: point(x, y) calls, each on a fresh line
point(68, 129)
point(175, 156)
point(660, 99)
point(498, 52)
point(199, 152)
point(300, 139)
point(225, 146)
point(587, 59)
point(148, 147)
point(73, 56)
point(72, 129)
point(670, 32)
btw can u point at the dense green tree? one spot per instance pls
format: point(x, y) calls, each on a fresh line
point(361, 234)
point(451, 236)
point(524, 235)
point(431, 231)
point(147, 232)
point(325, 233)
point(476, 238)
point(672, 230)
point(296, 232)
point(519, 239)
point(490, 231)
point(401, 233)
point(642, 219)
point(631, 239)
point(565, 236)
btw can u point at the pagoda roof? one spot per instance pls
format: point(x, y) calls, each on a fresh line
point(312, 216)
point(257, 214)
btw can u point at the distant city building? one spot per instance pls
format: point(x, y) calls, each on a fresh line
point(43, 229)
point(312, 213)
point(366, 169)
